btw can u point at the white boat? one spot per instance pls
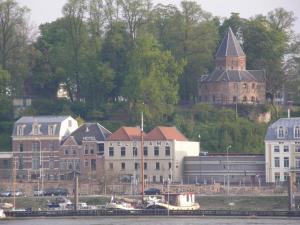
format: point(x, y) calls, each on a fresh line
point(118, 205)
point(182, 201)
point(2, 214)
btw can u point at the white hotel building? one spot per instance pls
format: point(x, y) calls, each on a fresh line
point(164, 150)
point(282, 149)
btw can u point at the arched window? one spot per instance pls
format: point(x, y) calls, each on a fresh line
point(280, 132)
point(245, 99)
point(297, 132)
point(245, 85)
point(252, 99)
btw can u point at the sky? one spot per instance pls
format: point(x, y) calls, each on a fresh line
point(43, 11)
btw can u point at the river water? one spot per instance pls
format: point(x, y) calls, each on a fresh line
point(152, 221)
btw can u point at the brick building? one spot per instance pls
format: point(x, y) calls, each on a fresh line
point(35, 145)
point(83, 152)
point(230, 82)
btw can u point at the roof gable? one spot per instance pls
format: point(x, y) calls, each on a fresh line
point(91, 132)
point(70, 141)
point(230, 46)
point(126, 134)
point(165, 133)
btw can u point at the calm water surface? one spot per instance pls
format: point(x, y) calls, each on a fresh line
point(151, 221)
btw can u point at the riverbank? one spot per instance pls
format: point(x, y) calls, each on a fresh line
point(214, 202)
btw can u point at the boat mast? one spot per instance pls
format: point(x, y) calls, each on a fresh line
point(14, 180)
point(142, 156)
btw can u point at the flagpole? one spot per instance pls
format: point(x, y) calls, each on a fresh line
point(142, 156)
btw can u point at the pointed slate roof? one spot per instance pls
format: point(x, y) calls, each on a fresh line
point(126, 134)
point(91, 131)
point(230, 46)
point(165, 133)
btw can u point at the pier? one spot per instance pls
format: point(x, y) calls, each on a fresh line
point(151, 212)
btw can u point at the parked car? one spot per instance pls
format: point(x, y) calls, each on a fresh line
point(38, 193)
point(56, 192)
point(17, 193)
point(6, 194)
point(152, 191)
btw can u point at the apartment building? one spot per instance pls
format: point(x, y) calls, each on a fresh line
point(36, 142)
point(282, 149)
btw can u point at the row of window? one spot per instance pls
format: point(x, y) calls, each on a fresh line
point(282, 132)
point(286, 162)
point(36, 128)
point(157, 143)
point(285, 149)
point(137, 166)
point(277, 177)
point(36, 146)
point(156, 151)
point(224, 99)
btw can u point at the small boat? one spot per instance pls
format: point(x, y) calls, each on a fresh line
point(2, 214)
point(119, 205)
point(60, 204)
point(171, 201)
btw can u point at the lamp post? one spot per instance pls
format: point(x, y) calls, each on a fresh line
point(227, 149)
point(199, 136)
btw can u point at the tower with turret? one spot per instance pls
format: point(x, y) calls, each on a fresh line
point(230, 82)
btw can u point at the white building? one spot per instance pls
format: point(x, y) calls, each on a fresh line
point(164, 150)
point(282, 149)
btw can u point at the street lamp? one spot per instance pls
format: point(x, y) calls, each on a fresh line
point(227, 149)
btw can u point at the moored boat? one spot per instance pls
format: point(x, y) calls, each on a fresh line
point(119, 205)
point(2, 214)
point(174, 201)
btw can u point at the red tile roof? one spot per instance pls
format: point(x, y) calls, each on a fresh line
point(126, 134)
point(165, 133)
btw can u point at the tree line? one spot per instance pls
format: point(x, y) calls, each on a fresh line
point(126, 56)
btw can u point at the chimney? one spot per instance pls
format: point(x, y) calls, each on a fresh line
point(289, 113)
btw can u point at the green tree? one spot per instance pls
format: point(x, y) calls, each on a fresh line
point(151, 84)
point(190, 34)
point(14, 42)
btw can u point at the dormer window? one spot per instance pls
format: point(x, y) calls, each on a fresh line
point(281, 132)
point(70, 123)
point(20, 130)
point(87, 129)
point(297, 132)
point(35, 129)
point(51, 129)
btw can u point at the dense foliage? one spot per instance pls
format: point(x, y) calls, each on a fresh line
point(116, 58)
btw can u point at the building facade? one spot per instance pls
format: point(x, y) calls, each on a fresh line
point(163, 151)
point(230, 82)
point(6, 165)
point(83, 152)
point(35, 145)
point(282, 150)
point(215, 168)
